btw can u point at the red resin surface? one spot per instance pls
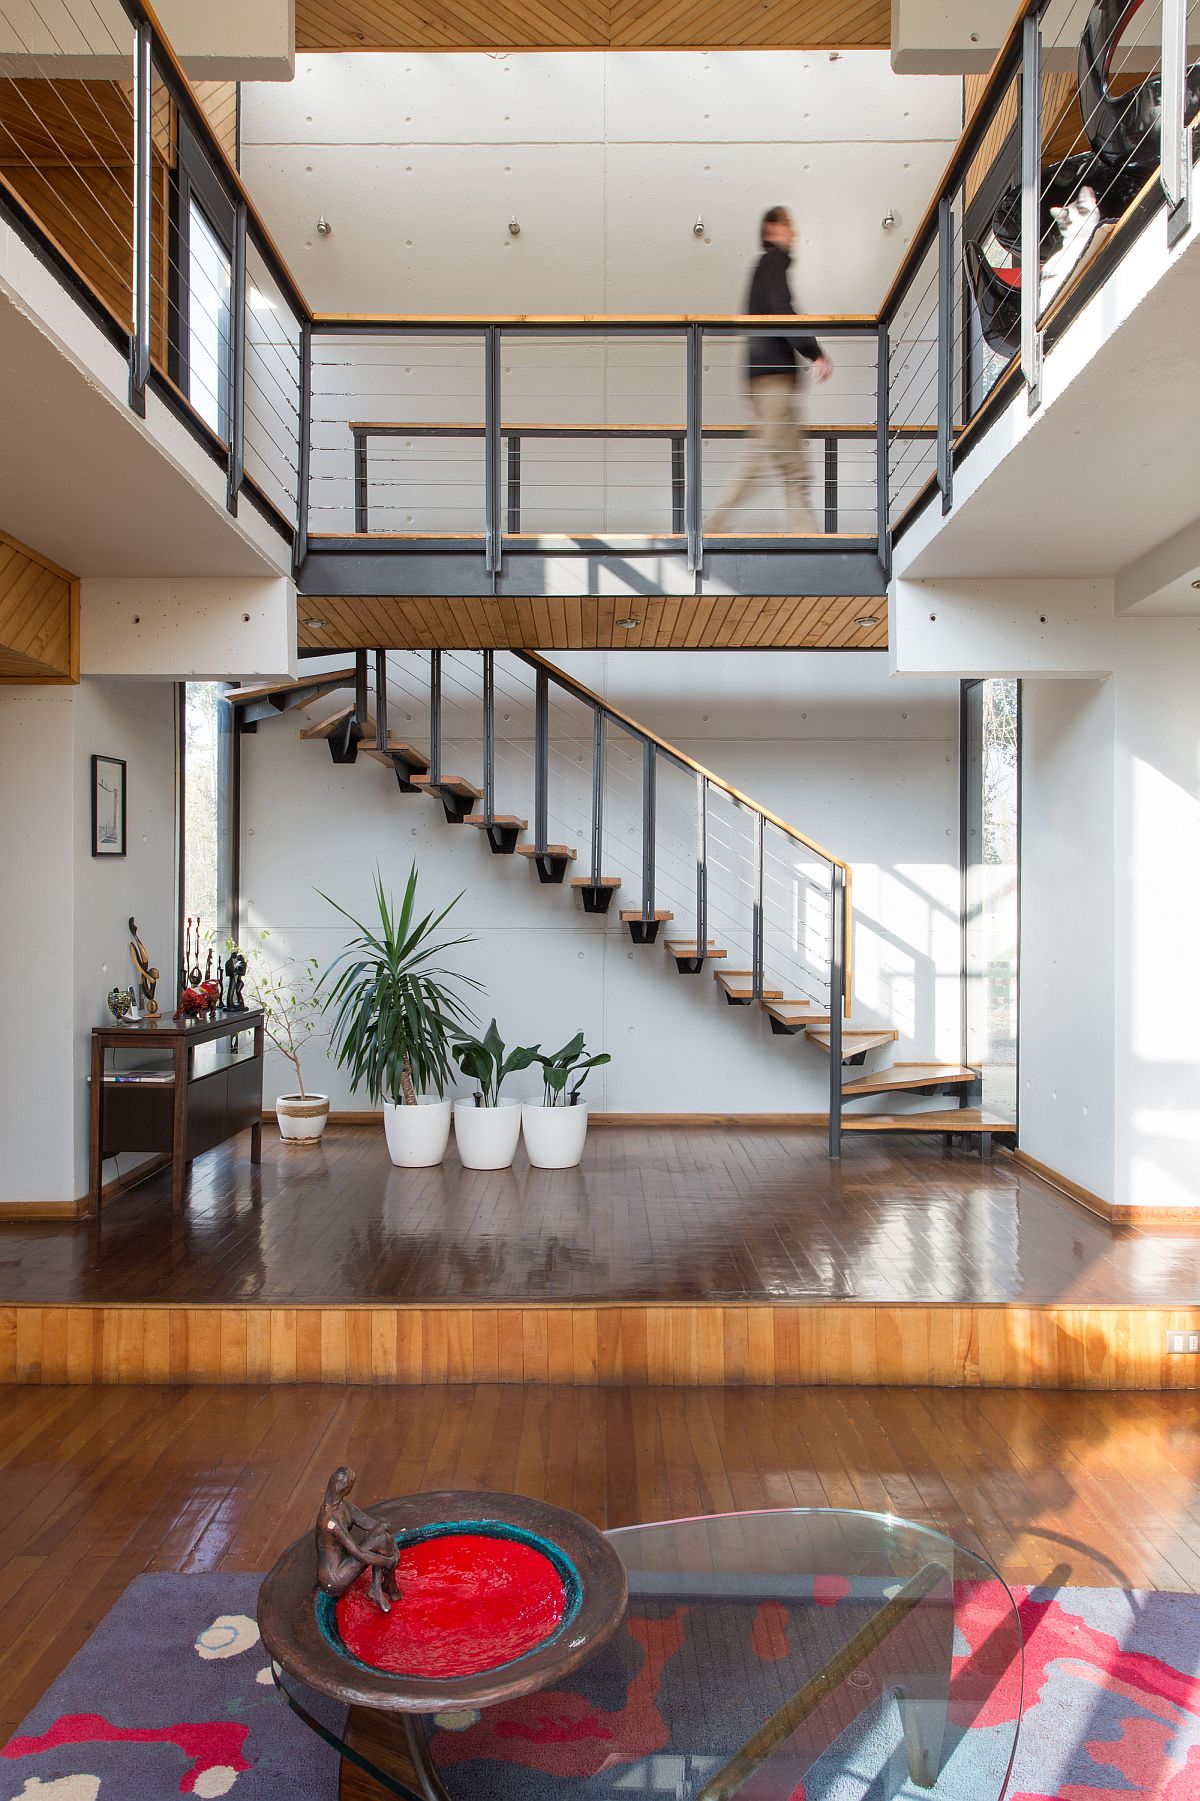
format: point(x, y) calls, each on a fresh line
point(468, 1603)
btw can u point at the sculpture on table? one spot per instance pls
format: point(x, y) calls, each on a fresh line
point(342, 1558)
point(235, 969)
point(147, 977)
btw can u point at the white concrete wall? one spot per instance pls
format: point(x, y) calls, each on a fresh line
point(64, 914)
point(607, 161)
point(1068, 956)
point(1157, 880)
point(864, 764)
point(38, 1067)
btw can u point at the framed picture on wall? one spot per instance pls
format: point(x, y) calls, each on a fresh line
point(108, 807)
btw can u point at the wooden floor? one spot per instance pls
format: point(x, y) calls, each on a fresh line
point(99, 1485)
point(655, 1214)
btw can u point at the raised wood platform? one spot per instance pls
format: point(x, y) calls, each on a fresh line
point(682, 1344)
point(681, 1254)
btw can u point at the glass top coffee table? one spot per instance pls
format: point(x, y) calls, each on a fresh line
point(791, 1655)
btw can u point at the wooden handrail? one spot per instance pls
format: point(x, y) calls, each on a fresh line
point(424, 427)
point(581, 692)
point(791, 323)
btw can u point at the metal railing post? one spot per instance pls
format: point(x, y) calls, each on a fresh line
point(541, 760)
point(756, 957)
point(1175, 170)
point(883, 509)
point(831, 484)
point(597, 794)
point(237, 359)
point(303, 446)
point(381, 700)
point(493, 534)
point(945, 351)
point(693, 450)
point(1031, 205)
point(139, 343)
point(362, 482)
point(837, 997)
point(361, 704)
point(701, 865)
point(435, 716)
point(489, 735)
point(649, 801)
point(514, 482)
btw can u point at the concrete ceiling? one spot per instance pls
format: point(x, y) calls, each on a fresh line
point(85, 483)
point(1106, 476)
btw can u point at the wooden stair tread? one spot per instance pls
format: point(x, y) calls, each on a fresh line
point(740, 983)
point(635, 913)
point(325, 728)
point(908, 1075)
point(394, 749)
point(854, 1039)
point(603, 881)
point(452, 784)
point(687, 947)
point(326, 684)
point(561, 852)
point(795, 1013)
point(485, 824)
point(941, 1119)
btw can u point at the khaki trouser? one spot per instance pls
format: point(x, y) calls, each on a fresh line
point(777, 442)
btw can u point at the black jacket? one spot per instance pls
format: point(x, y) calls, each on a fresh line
point(769, 293)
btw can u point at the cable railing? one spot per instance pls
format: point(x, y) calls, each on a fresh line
point(494, 434)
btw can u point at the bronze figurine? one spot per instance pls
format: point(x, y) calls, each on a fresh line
point(341, 1558)
point(235, 969)
point(147, 977)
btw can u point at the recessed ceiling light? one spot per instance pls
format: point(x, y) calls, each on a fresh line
point(314, 625)
point(868, 619)
point(629, 625)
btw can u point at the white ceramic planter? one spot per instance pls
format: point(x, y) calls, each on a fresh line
point(302, 1117)
point(487, 1136)
point(554, 1136)
point(417, 1136)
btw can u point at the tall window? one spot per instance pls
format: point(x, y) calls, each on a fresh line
point(208, 323)
point(991, 815)
point(208, 811)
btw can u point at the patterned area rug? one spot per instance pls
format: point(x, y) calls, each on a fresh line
point(172, 1696)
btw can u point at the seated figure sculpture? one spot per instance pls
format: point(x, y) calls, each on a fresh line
point(341, 1558)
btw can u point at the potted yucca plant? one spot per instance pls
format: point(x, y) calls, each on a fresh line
point(556, 1127)
point(487, 1125)
point(396, 1010)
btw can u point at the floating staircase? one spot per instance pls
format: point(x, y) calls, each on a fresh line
point(769, 861)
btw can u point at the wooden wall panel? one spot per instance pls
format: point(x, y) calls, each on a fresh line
point(220, 102)
point(1059, 92)
point(674, 1345)
point(39, 617)
point(66, 151)
point(591, 25)
point(724, 622)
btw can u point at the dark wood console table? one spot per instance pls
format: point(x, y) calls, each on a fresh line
point(202, 1095)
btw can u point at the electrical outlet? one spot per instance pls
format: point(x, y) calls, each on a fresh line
point(1187, 1343)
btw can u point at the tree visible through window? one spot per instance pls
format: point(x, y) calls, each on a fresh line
point(207, 810)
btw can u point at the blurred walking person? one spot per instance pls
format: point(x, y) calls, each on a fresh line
point(776, 379)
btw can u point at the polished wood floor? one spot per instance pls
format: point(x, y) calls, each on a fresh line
point(702, 1213)
point(99, 1485)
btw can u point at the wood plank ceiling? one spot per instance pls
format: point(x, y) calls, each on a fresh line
point(721, 622)
point(592, 25)
point(39, 617)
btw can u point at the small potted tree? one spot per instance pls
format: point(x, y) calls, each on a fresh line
point(487, 1125)
point(556, 1128)
point(286, 994)
point(395, 1009)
